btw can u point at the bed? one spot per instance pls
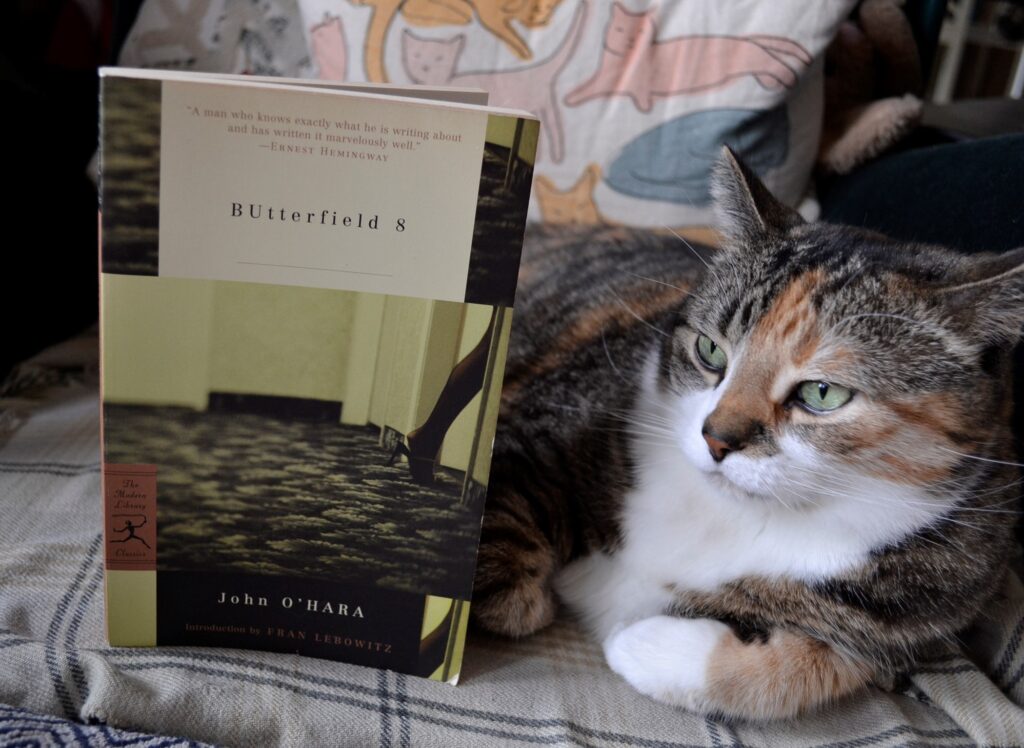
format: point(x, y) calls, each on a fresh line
point(61, 684)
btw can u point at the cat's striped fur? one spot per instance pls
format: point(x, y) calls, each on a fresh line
point(735, 551)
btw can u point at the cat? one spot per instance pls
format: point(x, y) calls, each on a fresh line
point(761, 484)
point(495, 15)
point(432, 62)
point(635, 64)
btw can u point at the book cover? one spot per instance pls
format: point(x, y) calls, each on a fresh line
point(306, 297)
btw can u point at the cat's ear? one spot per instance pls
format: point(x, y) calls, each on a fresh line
point(989, 297)
point(746, 209)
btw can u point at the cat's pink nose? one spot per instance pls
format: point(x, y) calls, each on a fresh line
point(719, 449)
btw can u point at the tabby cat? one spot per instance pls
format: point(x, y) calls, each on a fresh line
point(762, 484)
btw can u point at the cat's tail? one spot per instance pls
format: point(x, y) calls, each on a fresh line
point(561, 56)
point(384, 12)
point(776, 45)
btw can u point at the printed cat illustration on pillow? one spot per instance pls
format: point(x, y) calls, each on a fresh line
point(433, 62)
point(636, 64)
point(495, 15)
point(575, 205)
point(329, 48)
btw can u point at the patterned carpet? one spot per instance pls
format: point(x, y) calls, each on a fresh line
point(255, 494)
point(131, 175)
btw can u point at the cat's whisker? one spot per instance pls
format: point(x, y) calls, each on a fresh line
point(823, 491)
point(639, 428)
point(853, 276)
point(879, 315)
point(648, 417)
point(661, 427)
point(952, 487)
point(867, 501)
point(689, 246)
point(976, 493)
point(640, 319)
point(654, 438)
point(626, 415)
point(952, 506)
point(946, 517)
point(803, 498)
point(980, 459)
point(852, 480)
point(563, 406)
point(655, 280)
point(779, 499)
point(608, 355)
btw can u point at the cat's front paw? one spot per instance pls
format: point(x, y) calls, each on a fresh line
point(666, 657)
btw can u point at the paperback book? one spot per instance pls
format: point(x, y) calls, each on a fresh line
point(306, 297)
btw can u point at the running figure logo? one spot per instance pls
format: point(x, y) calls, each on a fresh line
point(130, 527)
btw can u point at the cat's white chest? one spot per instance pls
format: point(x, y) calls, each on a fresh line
point(679, 533)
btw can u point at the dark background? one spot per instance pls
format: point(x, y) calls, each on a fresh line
point(49, 54)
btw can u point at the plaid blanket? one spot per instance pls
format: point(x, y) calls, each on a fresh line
point(65, 686)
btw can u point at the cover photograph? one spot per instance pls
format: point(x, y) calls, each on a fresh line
point(306, 297)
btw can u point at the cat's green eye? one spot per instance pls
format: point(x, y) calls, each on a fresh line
point(822, 397)
point(710, 353)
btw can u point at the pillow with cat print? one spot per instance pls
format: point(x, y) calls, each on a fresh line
point(636, 98)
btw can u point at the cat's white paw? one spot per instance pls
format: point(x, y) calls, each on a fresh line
point(666, 657)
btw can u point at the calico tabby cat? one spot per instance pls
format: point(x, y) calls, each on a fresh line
point(762, 484)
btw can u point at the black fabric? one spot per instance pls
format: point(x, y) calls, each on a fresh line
point(967, 195)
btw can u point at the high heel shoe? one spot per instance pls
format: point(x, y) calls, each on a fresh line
point(420, 468)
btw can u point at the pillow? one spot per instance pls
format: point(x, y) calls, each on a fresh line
point(636, 98)
point(261, 37)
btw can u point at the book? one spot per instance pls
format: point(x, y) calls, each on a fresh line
point(306, 296)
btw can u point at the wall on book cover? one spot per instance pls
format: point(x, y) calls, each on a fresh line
point(364, 347)
point(217, 337)
point(150, 368)
point(410, 373)
point(270, 340)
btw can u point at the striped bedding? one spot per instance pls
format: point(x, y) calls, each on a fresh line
point(60, 684)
